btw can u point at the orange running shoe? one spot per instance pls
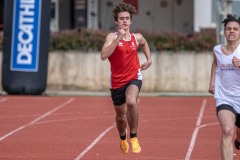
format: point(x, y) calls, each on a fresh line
point(135, 145)
point(124, 146)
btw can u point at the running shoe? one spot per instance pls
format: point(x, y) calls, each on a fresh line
point(135, 145)
point(124, 146)
point(237, 144)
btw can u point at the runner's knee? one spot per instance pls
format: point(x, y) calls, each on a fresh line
point(228, 131)
point(130, 101)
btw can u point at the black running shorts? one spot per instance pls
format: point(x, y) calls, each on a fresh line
point(118, 95)
point(230, 108)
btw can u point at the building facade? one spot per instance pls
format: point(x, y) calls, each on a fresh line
point(153, 15)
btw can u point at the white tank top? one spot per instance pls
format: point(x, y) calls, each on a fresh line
point(227, 82)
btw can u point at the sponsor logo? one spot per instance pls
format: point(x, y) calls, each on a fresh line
point(133, 46)
point(26, 35)
point(120, 44)
point(227, 66)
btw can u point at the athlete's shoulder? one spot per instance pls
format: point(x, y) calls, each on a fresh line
point(111, 35)
point(137, 35)
point(139, 38)
point(217, 47)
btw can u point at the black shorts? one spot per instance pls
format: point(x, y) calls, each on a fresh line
point(118, 95)
point(230, 108)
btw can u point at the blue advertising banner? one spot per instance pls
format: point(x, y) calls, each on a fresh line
point(26, 35)
point(25, 46)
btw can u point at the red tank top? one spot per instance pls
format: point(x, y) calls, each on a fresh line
point(124, 63)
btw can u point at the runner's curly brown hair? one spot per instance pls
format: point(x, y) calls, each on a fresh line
point(123, 7)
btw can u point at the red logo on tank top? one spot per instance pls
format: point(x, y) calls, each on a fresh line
point(120, 44)
point(133, 47)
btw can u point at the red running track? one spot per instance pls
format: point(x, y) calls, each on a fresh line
point(83, 127)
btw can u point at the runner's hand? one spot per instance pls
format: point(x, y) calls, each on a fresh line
point(121, 33)
point(145, 65)
point(236, 62)
point(211, 89)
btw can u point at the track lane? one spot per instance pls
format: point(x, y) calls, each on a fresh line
point(166, 125)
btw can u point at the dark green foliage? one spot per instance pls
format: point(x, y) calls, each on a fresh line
point(174, 41)
point(93, 40)
point(84, 40)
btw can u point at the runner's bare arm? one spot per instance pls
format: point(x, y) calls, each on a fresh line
point(141, 41)
point(109, 46)
point(211, 88)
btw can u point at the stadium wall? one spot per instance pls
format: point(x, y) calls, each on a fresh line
point(170, 72)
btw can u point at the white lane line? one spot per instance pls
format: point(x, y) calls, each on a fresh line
point(209, 124)
point(94, 142)
point(195, 133)
point(74, 119)
point(37, 119)
point(3, 100)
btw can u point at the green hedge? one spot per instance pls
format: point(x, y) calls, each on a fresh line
point(92, 40)
point(175, 41)
point(84, 40)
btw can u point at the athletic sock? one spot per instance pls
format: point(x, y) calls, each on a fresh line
point(133, 135)
point(123, 137)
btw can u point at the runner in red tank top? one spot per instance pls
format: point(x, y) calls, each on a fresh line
point(120, 48)
point(124, 63)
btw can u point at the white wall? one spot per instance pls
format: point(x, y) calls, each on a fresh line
point(169, 72)
point(54, 22)
point(202, 14)
point(106, 21)
point(172, 17)
point(92, 14)
point(191, 15)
